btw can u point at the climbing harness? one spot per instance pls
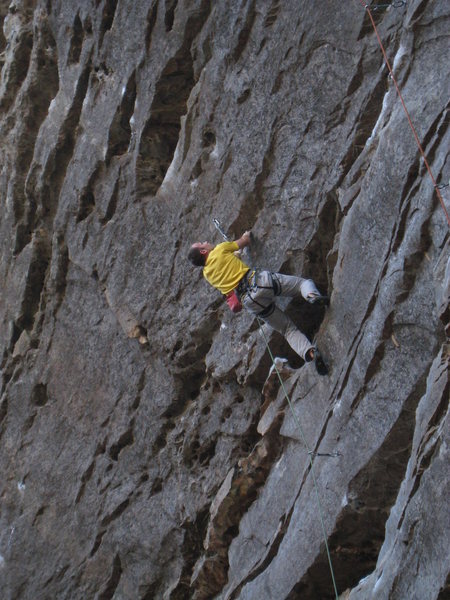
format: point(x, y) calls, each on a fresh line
point(391, 73)
point(247, 285)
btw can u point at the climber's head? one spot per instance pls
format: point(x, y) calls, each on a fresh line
point(199, 253)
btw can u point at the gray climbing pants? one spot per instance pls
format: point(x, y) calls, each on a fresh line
point(259, 299)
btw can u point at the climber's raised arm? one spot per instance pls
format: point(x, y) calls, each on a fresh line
point(244, 240)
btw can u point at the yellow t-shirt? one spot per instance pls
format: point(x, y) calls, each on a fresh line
point(223, 269)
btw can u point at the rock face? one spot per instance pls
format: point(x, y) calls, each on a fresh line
point(146, 452)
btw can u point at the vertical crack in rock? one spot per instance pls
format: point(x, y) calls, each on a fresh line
point(3, 410)
point(126, 439)
point(169, 17)
point(87, 197)
point(271, 554)
point(370, 112)
point(88, 473)
point(151, 21)
point(377, 15)
point(3, 12)
point(17, 58)
point(433, 138)
point(244, 29)
point(39, 395)
point(58, 272)
point(35, 280)
point(60, 156)
point(112, 203)
point(359, 529)
point(320, 248)
point(417, 13)
point(76, 41)
point(39, 513)
point(190, 373)
point(108, 13)
point(111, 586)
point(208, 145)
point(84, 479)
point(238, 492)
point(409, 530)
point(120, 129)
point(41, 85)
point(411, 184)
point(188, 369)
point(107, 520)
point(272, 13)
point(140, 387)
point(428, 446)
point(160, 134)
point(444, 593)
point(192, 546)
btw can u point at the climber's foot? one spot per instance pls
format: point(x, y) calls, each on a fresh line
point(318, 299)
point(314, 354)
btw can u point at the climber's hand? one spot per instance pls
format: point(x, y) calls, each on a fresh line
point(244, 240)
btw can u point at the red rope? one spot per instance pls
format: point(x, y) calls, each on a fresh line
point(439, 195)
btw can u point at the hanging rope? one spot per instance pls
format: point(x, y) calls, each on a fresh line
point(386, 60)
point(310, 455)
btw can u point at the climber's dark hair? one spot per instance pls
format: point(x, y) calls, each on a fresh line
point(196, 257)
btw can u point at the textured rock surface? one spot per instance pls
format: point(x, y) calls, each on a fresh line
point(142, 453)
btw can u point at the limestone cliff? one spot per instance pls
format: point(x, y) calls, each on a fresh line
point(146, 451)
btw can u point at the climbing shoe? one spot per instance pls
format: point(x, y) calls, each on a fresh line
point(314, 355)
point(321, 367)
point(318, 299)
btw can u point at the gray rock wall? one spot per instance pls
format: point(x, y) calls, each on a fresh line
point(147, 450)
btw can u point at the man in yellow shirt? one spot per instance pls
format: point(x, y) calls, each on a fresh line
point(257, 289)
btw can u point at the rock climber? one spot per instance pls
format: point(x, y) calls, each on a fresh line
point(256, 290)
